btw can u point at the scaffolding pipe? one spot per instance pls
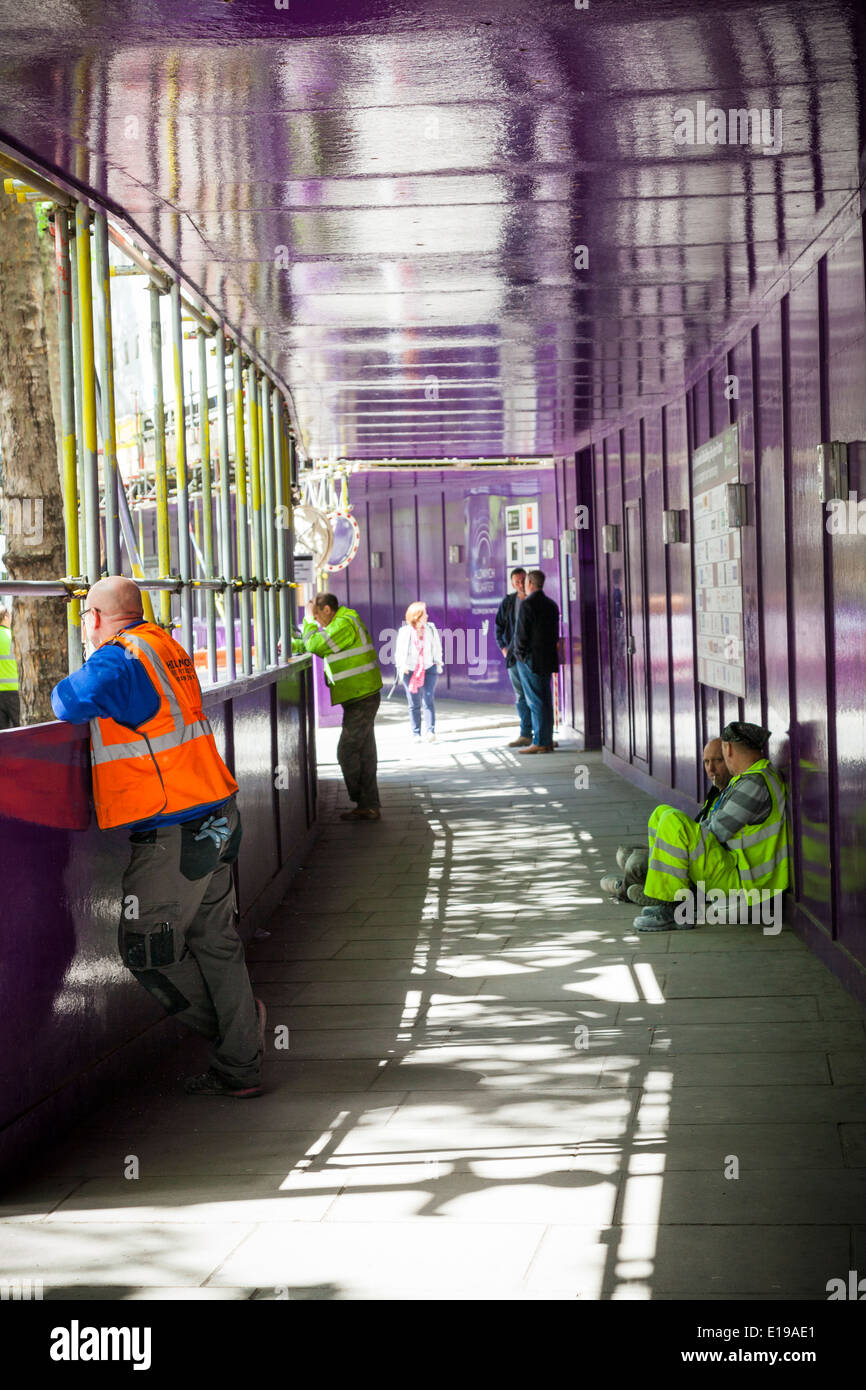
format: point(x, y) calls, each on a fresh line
point(207, 503)
point(183, 547)
point(88, 394)
point(76, 382)
point(67, 425)
point(256, 500)
point(225, 507)
point(241, 508)
point(163, 534)
point(110, 482)
point(39, 185)
point(283, 523)
point(269, 520)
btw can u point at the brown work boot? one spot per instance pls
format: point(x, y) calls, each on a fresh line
point(371, 813)
point(522, 742)
point(533, 748)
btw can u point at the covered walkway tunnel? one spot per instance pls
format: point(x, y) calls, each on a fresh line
point(384, 301)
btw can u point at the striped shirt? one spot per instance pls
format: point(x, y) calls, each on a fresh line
point(746, 802)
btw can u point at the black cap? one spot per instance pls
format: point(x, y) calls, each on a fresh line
point(751, 735)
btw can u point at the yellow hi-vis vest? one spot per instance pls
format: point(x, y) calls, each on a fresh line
point(351, 666)
point(8, 664)
point(761, 850)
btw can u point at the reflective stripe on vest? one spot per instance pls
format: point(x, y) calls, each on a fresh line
point(761, 850)
point(102, 752)
point(170, 762)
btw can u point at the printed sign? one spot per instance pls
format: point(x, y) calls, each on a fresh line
point(717, 566)
point(304, 573)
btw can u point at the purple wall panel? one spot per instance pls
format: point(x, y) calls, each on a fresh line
point(740, 363)
point(599, 512)
point(773, 542)
point(683, 698)
point(810, 781)
point(617, 600)
point(407, 580)
point(566, 489)
point(657, 600)
point(846, 354)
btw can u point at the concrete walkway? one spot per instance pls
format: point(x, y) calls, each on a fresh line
point(482, 1082)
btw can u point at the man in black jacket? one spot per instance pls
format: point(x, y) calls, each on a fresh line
point(536, 648)
point(506, 626)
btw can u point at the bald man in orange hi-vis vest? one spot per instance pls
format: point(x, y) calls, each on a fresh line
point(157, 773)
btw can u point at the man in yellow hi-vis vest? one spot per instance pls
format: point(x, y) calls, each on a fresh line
point(10, 708)
point(336, 634)
point(741, 846)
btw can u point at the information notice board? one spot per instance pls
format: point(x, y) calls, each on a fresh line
point(718, 566)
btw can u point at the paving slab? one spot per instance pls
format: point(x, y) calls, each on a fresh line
point(493, 1087)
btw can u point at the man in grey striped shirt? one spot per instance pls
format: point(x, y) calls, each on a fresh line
point(743, 844)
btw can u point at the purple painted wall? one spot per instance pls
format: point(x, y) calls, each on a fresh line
point(62, 979)
point(411, 517)
point(800, 372)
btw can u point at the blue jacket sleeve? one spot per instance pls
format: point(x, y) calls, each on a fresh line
point(110, 684)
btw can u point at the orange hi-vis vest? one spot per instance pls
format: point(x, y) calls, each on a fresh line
point(168, 764)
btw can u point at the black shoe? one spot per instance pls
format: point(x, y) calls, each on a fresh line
point(210, 1083)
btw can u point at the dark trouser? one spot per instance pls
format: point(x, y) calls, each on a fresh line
point(356, 751)
point(521, 701)
point(178, 936)
point(10, 709)
point(539, 693)
point(431, 675)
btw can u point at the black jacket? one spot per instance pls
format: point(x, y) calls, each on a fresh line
point(538, 633)
point(505, 626)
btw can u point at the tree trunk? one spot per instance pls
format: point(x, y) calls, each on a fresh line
point(32, 506)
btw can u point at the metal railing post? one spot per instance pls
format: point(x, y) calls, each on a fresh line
point(110, 478)
point(225, 507)
point(183, 546)
point(67, 424)
point(163, 534)
point(88, 393)
point(207, 504)
point(241, 508)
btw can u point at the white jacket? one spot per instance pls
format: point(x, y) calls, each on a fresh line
point(404, 654)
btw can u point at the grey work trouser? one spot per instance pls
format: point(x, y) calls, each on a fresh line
point(178, 936)
point(356, 751)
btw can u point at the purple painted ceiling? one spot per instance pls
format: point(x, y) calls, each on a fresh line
point(394, 193)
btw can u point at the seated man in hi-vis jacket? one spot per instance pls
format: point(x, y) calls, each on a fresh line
point(336, 634)
point(740, 849)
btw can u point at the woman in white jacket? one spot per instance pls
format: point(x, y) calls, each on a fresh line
point(418, 659)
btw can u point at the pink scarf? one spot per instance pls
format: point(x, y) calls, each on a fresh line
point(416, 680)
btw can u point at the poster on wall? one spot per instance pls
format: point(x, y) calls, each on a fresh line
point(513, 521)
point(530, 517)
point(718, 566)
